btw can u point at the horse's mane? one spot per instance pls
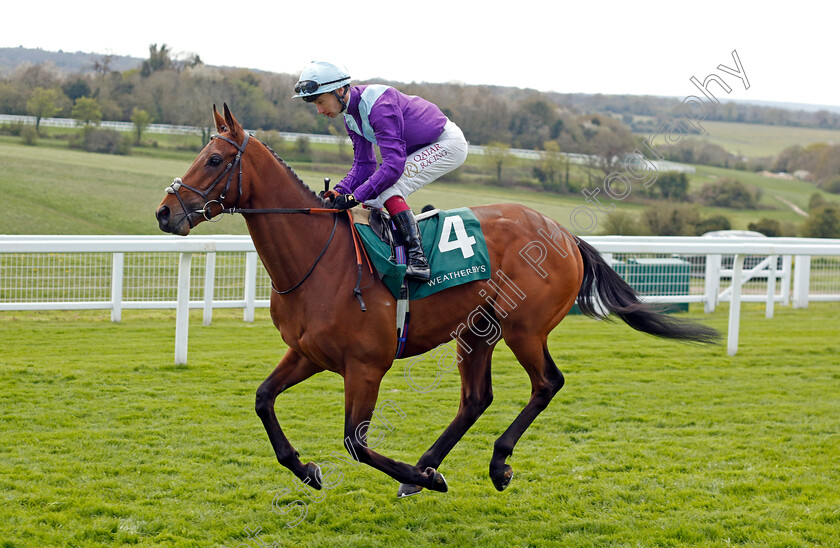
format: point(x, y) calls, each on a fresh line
point(295, 176)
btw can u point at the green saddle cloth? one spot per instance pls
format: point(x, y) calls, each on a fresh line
point(454, 245)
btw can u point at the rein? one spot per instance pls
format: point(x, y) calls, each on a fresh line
point(311, 268)
point(177, 184)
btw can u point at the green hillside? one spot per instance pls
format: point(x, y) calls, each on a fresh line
point(761, 140)
point(62, 191)
point(50, 189)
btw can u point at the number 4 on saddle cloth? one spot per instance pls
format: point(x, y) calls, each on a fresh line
point(454, 246)
point(452, 241)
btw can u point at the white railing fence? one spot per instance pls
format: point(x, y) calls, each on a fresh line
point(133, 272)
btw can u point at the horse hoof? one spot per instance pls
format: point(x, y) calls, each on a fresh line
point(313, 476)
point(438, 482)
point(501, 481)
point(407, 490)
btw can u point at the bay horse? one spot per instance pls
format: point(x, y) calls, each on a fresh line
point(308, 252)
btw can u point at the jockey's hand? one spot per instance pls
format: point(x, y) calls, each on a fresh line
point(344, 201)
point(329, 195)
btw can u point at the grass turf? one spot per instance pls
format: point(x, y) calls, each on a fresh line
point(104, 441)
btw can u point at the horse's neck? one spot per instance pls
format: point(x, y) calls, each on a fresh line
point(286, 242)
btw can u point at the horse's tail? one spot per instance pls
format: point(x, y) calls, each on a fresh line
point(616, 296)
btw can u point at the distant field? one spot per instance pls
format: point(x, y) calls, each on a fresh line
point(49, 190)
point(797, 192)
point(760, 140)
point(62, 191)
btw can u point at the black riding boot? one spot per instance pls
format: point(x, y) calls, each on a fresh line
point(418, 267)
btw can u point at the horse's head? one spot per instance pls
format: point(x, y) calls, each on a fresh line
point(213, 182)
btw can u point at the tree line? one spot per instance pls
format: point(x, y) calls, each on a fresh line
point(628, 106)
point(180, 91)
point(169, 90)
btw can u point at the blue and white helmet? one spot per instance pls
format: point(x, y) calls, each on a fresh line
point(320, 77)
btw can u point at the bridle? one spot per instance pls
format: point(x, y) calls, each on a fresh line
point(178, 184)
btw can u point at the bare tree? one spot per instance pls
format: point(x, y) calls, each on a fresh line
point(159, 59)
point(608, 141)
point(102, 65)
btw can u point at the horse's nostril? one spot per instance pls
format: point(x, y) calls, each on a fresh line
point(162, 215)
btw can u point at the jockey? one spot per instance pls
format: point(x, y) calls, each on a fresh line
point(417, 142)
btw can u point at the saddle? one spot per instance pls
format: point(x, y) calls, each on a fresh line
point(452, 241)
point(380, 223)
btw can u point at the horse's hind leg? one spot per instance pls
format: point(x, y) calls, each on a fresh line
point(292, 369)
point(476, 396)
point(546, 381)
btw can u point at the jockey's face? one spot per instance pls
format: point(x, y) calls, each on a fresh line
point(328, 105)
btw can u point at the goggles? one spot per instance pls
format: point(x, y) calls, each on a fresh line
point(308, 87)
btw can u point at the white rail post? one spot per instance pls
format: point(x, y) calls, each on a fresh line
point(250, 285)
point(712, 287)
point(182, 314)
point(735, 306)
point(117, 272)
point(771, 286)
point(787, 266)
point(801, 280)
point(209, 287)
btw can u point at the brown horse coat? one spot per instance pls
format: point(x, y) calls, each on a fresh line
point(538, 270)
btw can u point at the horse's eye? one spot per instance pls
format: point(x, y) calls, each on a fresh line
point(214, 160)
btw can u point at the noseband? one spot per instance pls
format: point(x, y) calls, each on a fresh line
point(177, 184)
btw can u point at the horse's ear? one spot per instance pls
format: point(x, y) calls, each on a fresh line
point(231, 122)
point(221, 126)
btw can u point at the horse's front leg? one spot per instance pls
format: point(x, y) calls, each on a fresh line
point(292, 369)
point(361, 389)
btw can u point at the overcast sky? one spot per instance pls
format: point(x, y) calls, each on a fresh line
point(645, 47)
